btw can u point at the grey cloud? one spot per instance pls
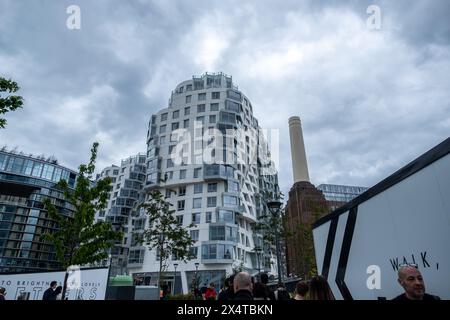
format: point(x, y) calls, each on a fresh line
point(370, 102)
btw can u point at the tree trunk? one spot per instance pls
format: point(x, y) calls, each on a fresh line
point(160, 270)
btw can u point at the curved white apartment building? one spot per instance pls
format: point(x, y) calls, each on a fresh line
point(207, 155)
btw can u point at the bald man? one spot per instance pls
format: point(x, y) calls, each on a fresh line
point(410, 278)
point(243, 286)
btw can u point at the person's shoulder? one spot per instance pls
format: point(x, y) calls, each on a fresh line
point(400, 297)
point(427, 296)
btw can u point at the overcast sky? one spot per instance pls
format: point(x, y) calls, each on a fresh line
point(370, 100)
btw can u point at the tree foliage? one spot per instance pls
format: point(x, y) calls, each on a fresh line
point(9, 102)
point(164, 233)
point(80, 240)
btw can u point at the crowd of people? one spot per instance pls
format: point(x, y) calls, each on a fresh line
point(244, 287)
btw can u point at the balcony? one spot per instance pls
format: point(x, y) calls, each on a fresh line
point(217, 171)
point(216, 252)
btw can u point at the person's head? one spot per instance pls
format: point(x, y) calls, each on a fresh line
point(2, 291)
point(53, 284)
point(231, 282)
point(259, 290)
point(319, 289)
point(58, 289)
point(243, 281)
point(410, 278)
point(212, 285)
point(264, 278)
point(301, 288)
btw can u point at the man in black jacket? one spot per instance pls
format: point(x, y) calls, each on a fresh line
point(49, 294)
point(228, 293)
point(410, 278)
point(243, 286)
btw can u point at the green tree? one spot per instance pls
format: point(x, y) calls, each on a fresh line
point(79, 239)
point(10, 102)
point(164, 233)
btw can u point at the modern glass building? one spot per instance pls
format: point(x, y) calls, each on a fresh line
point(24, 182)
point(206, 153)
point(340, 193)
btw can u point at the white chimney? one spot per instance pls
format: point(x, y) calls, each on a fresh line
point(298, 153)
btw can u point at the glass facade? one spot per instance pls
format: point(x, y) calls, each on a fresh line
point(340, 193)
point(24, 183)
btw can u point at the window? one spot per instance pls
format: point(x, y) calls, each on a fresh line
point(196, 218)
point(168, 193)
point(212, 202)
point(212, 187)
point(182, 191)
point(208, 217)
point(169, 163)
point(162, 129)
point(201, 96)
point(175, 125)
point(215, 95)
point(169, 175)
point(225, 216)
point(186, 123)
point(188, 99)
point(189, 87)
point(180, 206)
point(182, 174)
point(187, 111)
point(194, 235)
point(197, 203)
point(197, 172)
point(193, 252)
point(200, 119)
point(212, 118)
point(217, 233)
point(176, 114)
point(37, 169)
point(180, 220)
point(230, 201)
point(163, 116)
point(201, 108)
point(170, 149)
point(198, 188)
point(162, 140)
point(214, 107)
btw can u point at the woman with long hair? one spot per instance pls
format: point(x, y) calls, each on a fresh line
point(319, 289)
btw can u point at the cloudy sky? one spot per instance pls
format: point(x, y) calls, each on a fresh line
point(371, 100)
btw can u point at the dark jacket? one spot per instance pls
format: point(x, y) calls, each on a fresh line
point(49, 294)
point(426, 297)
point(243, 295)
point(2, 297)
point(225, 295)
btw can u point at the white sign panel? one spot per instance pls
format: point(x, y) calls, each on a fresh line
point(360, 248)
point(84, 284)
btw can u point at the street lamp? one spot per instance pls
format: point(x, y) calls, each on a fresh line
point(175, 265)
point(274, 208)
point(258, 251)
point(196, 270)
